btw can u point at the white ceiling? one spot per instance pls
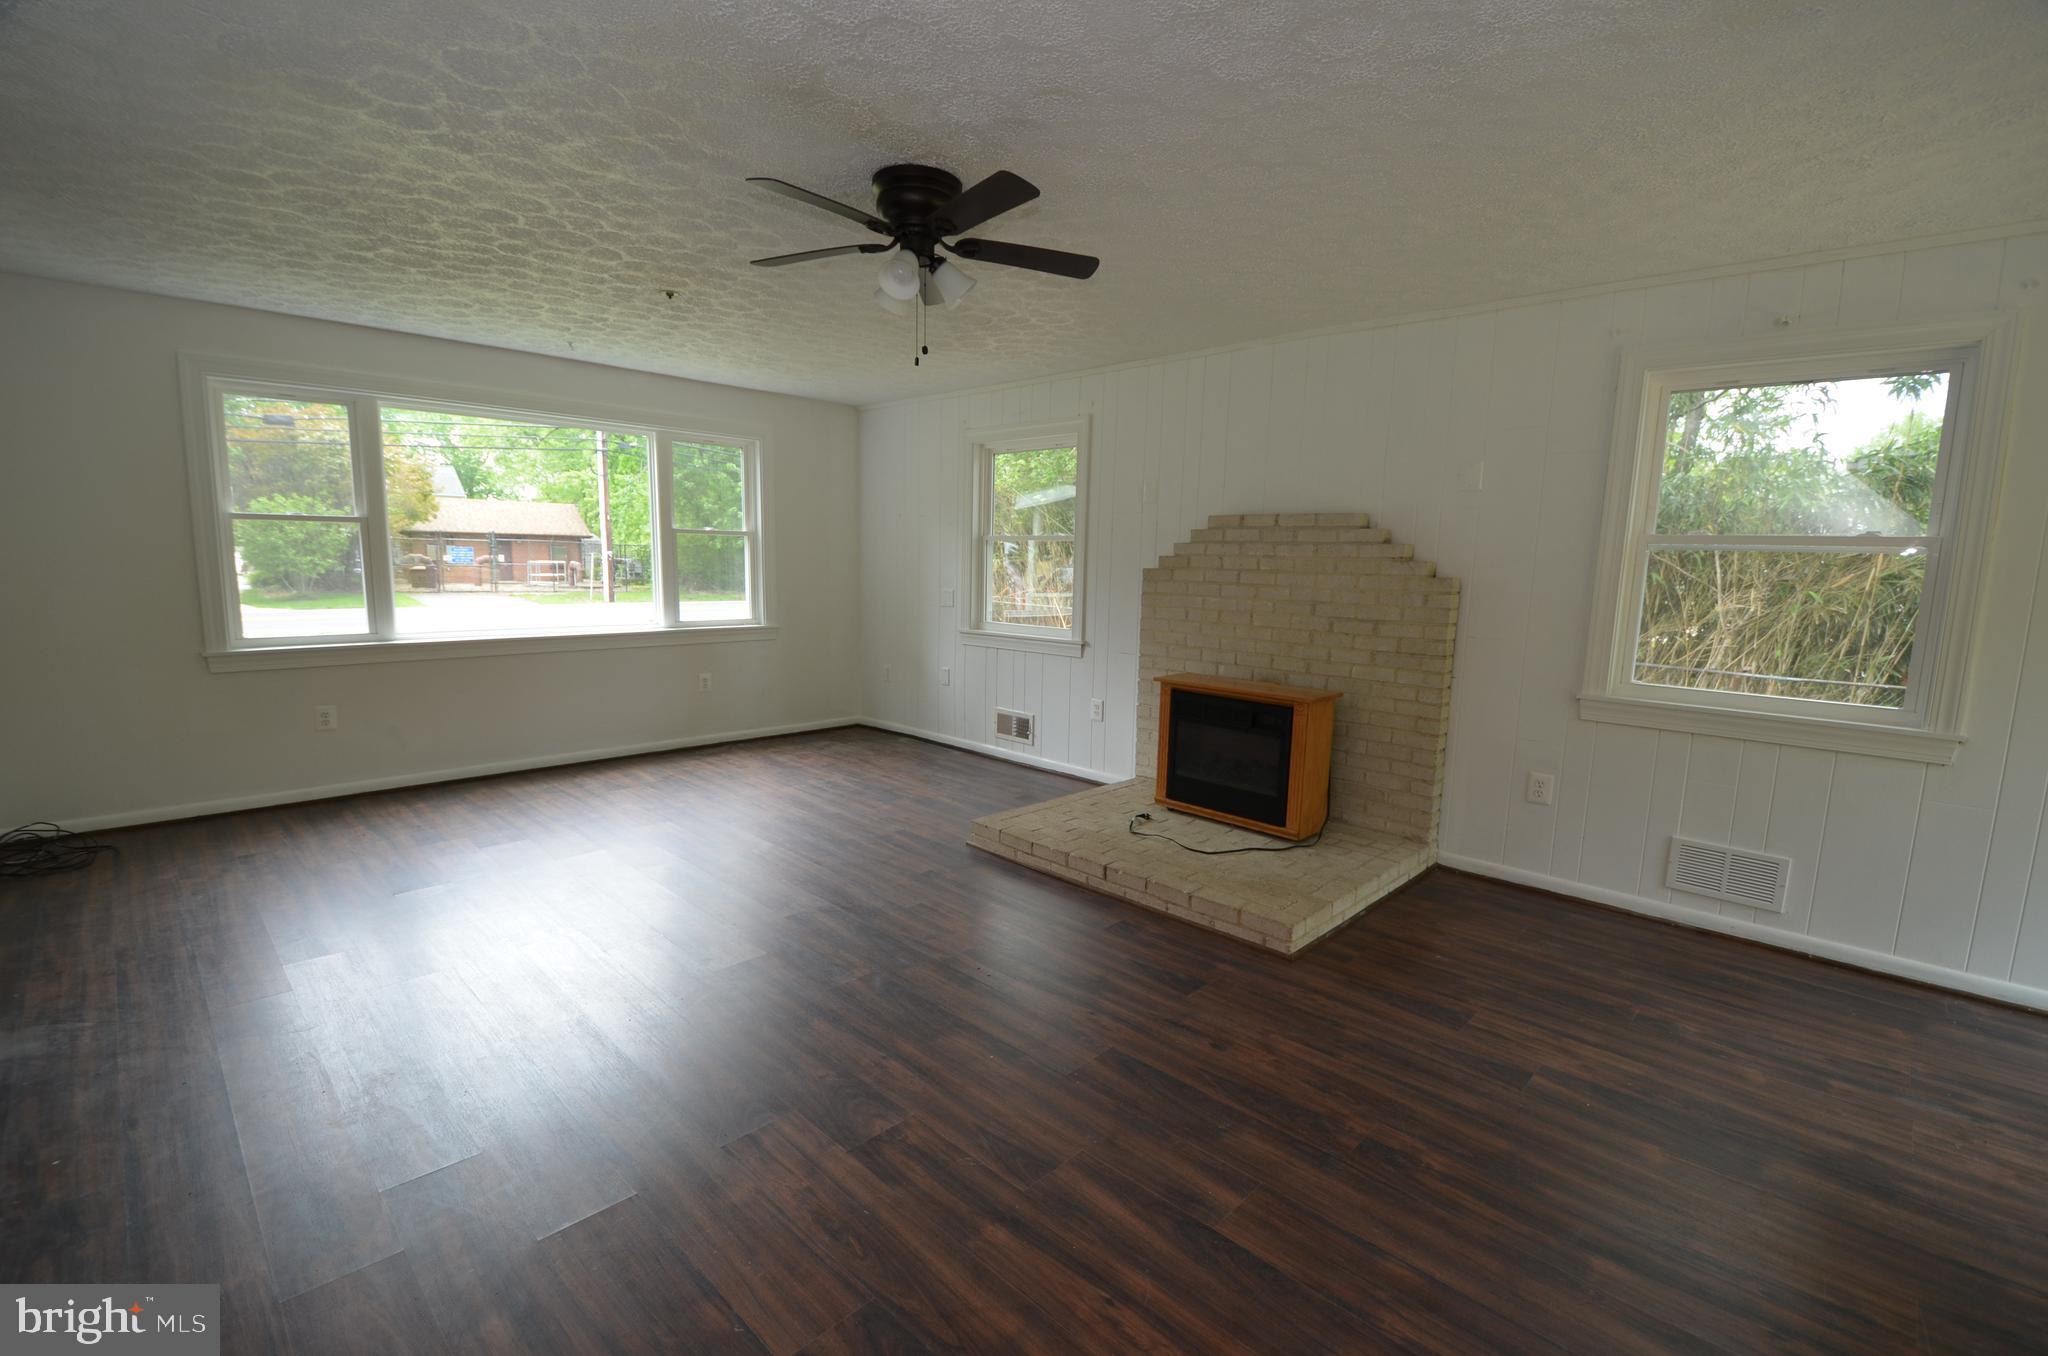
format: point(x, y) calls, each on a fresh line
point(531, 173)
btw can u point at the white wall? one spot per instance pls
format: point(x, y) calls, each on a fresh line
point(1937, 872)
point(107, 712)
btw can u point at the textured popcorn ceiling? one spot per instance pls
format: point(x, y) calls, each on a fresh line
point(530, 173)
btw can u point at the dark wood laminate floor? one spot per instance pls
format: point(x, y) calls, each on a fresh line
point(742, 1050)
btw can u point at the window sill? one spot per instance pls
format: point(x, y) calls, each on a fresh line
point(470, 647)
point(1811, 732)
point(1004, 640)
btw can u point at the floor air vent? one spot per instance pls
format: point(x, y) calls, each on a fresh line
point(1018, 725)
point(1738, 876)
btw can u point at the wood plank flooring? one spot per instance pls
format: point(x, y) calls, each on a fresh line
point(742, 1050)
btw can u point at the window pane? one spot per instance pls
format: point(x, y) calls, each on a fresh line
point(710, 486)
point(1034, 492)
point(288, 456)
point(711, 578)
point(300, 579)
point(1817, 458)
point(499, 525)
point(1031, 582)
point(1827, 626)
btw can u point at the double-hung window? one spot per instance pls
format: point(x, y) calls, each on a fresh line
point(717, 538)
point(332, 518)
point(1025, 567)
point(295, 513)
point(1794, 531)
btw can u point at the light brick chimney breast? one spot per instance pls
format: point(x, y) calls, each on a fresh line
point(1321, 600)
point(1318, 600)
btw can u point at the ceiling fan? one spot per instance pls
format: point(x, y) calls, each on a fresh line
point(920, 209)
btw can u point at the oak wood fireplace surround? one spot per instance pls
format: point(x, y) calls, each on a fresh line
point(1247, 753)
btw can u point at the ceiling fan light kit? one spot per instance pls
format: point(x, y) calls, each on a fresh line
point(953, 282)
point(899, 276)
point(921, 210)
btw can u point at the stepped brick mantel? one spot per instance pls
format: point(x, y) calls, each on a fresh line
point(1316, 600)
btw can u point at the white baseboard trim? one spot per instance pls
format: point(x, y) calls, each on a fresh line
point(992, 750)
point(2005, 991)
point(191, 810)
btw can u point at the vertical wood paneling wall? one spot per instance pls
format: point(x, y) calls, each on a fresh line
point(1939, 872)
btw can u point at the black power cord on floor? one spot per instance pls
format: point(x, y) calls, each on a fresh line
point(44, 849)
point(1145, 815)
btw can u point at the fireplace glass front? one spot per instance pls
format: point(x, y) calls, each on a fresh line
point(1229, 755)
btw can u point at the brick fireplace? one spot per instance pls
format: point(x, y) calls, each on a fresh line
point(1310, 600)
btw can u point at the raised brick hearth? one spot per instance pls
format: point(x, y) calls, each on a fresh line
point(1282, 900)
point(1322, 600)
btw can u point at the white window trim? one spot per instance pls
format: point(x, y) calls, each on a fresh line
point(203, 376)
point(1930, 727)
point(983, 444)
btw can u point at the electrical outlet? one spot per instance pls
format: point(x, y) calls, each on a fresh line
point(1542, 788)
point(326, 718)
point(945, 597)
point(945, 677)
point(1095, 708)
point(703, 682)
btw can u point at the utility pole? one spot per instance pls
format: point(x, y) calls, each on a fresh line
point(604, 515)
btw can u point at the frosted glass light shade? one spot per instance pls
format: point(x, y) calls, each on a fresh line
point(953, 282)
point(899, 276)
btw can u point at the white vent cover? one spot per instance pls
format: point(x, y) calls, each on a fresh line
point(1021, 726)
point(1734, 874)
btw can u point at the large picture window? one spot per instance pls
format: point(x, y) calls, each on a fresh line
point(1791, 537)
point(336, 517)
point(509, 526)
point(1026, 566)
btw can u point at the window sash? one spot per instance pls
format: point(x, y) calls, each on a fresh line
point(1911, 710)
point(986, 445)
point(378, 547)
point(662, 466)
point(1649, 455)
point(989, 619)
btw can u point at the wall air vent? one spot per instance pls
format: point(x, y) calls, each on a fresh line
point(1756, 879)
point(1020, 726)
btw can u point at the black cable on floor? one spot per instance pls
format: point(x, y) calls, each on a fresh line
point(1309, 841)
point(44, 849)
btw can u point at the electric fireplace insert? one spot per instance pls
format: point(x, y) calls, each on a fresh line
point(1253, 754)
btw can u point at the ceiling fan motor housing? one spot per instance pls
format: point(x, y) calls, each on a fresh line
point(906, 196)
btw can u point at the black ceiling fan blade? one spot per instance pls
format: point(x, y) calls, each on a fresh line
point(1028, 256)
point(789, 190)
point(777, 260)
point(992, 197)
